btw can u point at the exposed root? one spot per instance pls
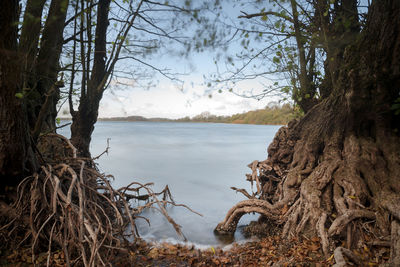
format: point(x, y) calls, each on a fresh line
point(395, 244)
point(233, 216)
point(317, 182)
point(341, 222)
point(322, 233)
point(341, 254)
point(244, 192)
point(71, 206)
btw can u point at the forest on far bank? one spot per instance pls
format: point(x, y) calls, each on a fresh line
point(270, 115)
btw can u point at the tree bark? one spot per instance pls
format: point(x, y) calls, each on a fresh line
point(304, 96)
point(84, 119)
point(340, 163)
point(47, 68)
point(16, 155)
point(30, 33)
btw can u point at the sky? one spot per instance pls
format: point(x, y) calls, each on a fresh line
point(166, 99)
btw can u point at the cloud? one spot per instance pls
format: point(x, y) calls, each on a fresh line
point(166, 100)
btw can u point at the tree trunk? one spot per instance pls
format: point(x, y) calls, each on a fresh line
point(82, 127)
point(304, 96)
point(84, 119)
point(30, 34)
point(340, 163)
point(47, 68)
point(16, 155)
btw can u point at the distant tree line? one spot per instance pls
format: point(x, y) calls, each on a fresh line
point(271, 115)
point(276, 115)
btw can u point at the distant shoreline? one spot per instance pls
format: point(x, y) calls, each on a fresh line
point(172, 121)
point(276, 115)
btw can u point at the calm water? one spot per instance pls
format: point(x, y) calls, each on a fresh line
point(199, 162)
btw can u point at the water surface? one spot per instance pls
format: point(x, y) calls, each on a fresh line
point(199, 162)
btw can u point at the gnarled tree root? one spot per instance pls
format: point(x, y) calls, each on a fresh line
point(395, 244)
point(70, 206)
point(229, 225)
point(342, 253)
point(336, 191)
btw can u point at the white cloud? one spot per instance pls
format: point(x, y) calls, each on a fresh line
point(169, 102)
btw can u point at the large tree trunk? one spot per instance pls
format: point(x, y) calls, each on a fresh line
point(16, 155)
point(340, 163)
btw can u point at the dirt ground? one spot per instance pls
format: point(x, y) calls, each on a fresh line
point(267, 251)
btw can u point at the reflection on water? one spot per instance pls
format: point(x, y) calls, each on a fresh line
point(199, 162)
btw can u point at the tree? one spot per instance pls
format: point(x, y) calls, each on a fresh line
point(139, 30)
point(339, 164)
point(86, 116)
point(65, 204)
point(283, 49)
point(16, 154)
point(29, 81)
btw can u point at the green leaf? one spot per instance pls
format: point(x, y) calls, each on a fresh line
point(264, 18)
point(395, 106)
point(19, 95)
point(58, 121)
point(276, 60)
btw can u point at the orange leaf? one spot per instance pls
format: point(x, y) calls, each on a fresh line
point(284, 209)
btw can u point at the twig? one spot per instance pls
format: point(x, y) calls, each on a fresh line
point(105, 151)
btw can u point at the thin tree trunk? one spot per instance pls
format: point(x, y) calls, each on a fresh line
point(84, 119)
point(47, 66)
point(304, 96)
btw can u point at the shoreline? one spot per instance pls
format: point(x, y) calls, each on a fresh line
point(175, 121)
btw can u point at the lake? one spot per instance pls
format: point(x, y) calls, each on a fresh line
point(198, 161)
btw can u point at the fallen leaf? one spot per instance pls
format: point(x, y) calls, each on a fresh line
point(284, 209)
point(314, 247)
point(153, 253)
point(315, 239)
